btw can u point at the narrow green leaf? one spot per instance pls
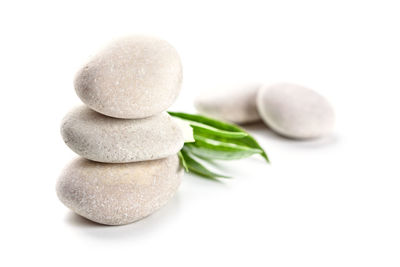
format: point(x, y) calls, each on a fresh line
point(207, 121)
point(248, 140)
point(183, 161)
point(212, 149)
point(197, 168)
point(215, 140)
point(211, 132)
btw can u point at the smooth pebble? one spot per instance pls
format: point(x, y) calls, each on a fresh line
point(234, 103)
point(105, 139)
point(294, 111)
point(134, 77)
point(115, 194)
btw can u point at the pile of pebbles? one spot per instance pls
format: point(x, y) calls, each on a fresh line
point(128, 144)
point(290, 110)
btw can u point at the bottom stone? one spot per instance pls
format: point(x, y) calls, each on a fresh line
point(116, 194)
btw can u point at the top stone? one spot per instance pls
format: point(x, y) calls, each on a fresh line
point(134, 77)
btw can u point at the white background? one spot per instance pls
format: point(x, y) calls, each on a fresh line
point(329, 202)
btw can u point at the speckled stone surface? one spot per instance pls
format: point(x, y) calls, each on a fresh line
point(294, 111)
point(134, 77)
point(115, 194)
point(233, 103)
point(105, 139)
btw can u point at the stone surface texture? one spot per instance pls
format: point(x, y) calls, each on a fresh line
point(105, 139)
point(134, 77)
point(294, 111)
point(234, 103)
point(116, 194)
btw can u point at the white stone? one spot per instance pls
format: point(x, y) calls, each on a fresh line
point(116, 194)
point(105, 139)
point(294, 111)
point(134, 77)
point(234, 103)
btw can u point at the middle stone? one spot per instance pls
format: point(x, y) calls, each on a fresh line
point(110, 140)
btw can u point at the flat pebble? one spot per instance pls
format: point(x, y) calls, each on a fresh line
point(134, 77)
point(294, 111)
point(115, 194)
point(234, 103)
point(105, 139)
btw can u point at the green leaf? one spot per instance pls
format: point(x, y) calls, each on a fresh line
point(214, 140)
point(197, 168)
point(197, 120)
point(207, 121)
point(250, 141)
point(183, 161)
point(247, 141)
point(214, 132)
point(213, 149)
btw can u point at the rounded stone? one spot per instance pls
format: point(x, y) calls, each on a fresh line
point(115, 194)
point(294, 111)
point(235, 103)
point(105, 139)
point(134, 77)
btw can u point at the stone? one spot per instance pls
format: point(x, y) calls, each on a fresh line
point(110, 140)
point(235, 103)
point(116, 194)
point(294, 111)
point(134, 77)
point(186, 129)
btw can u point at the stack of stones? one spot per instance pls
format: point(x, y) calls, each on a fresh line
point(128, 144)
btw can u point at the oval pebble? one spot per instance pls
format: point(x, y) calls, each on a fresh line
point(294, 111)
point(235, 103)
point(105, 139)
point(115, 194)
point(134, 77)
